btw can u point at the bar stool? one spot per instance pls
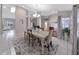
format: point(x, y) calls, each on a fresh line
point(46, 45)
point(26, 37)
point(29, 32)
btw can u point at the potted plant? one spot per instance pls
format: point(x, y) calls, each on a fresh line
point(66, 33)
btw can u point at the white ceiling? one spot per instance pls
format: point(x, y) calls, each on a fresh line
point(47, 9)
point(43, 9)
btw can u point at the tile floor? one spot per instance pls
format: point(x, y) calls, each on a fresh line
point(7, 46)
point(5, 42)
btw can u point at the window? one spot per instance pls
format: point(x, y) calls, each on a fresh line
point(65, 22)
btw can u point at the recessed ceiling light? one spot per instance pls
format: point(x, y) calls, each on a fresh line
point(13, 9)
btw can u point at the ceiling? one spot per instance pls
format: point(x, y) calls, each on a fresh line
point(42, 9)
point(47, 9)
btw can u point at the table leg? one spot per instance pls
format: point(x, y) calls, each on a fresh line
point(42, 41)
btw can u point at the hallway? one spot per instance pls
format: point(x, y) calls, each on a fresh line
point(37, 29)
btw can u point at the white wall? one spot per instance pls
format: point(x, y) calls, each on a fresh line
point(20, 23)
point(39, 21)
point(52, 20)
point(65, 13)
point(0, 20)
point(43, 21)
point(29, 22)
point(78, 23)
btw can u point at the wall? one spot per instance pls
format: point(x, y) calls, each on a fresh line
point(39, 21)
point(20, 23)
point(78, 23)
point(52, 20)
point(65, 13)
point(43, 20)
point(0, 20)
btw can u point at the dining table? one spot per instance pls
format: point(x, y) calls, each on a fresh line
point(41, 35)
